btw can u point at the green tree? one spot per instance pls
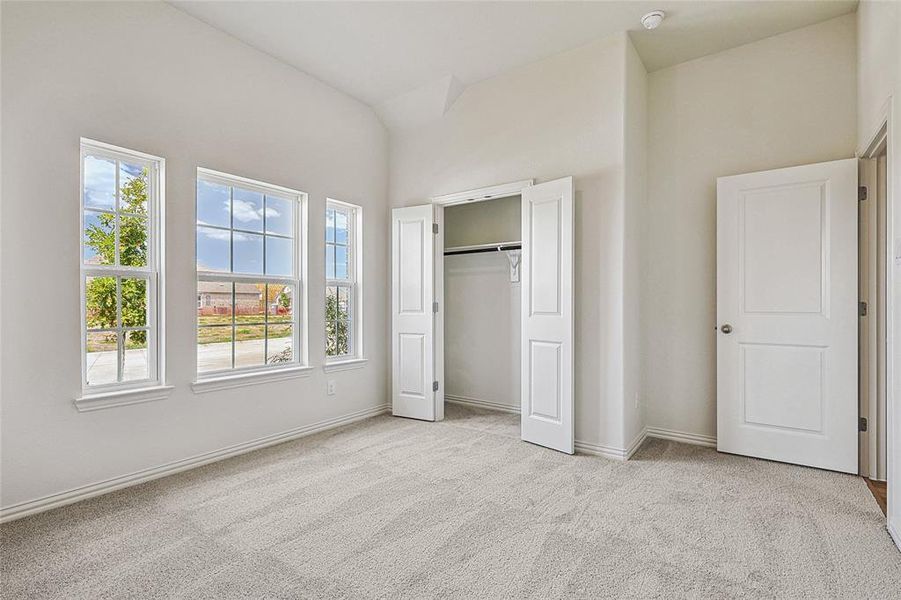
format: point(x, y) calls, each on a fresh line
point(100, 292)
point(336, 320)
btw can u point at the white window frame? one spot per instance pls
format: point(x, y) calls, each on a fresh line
point(235, 376)
point(111, 394)
point(353, 282)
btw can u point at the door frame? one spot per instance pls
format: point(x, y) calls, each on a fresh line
point(870, 335)
point(493, 192)
point(886, 129)
point(481, 194)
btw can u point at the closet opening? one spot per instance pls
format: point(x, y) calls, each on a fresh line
point(482, 303)
point(482, 306)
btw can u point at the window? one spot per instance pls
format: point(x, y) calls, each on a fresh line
point(343, 318)
point(120, 267)
point(248, 274)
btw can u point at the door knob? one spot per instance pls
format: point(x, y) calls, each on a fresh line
point(727, 329)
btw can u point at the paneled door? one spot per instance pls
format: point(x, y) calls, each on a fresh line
point(413, 330)
point(787, 315)
point(547, 314)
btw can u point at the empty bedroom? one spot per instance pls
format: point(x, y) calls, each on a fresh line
point(411, 299)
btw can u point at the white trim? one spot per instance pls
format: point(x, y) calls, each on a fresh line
point(154, 272)
point(621, 454)
point(345, 365)
point(637, 442)
point(91, 402)
point(120, 150)
point(697, 439)
point(256, 185)
point(876, 136)
point(268, 375)
point(583, 447)
point(484, 404)
point(23, 509)
point(601, 450)
point(354, 280)
point(486, 193)
point(895, 533)
point(298, 279)
point(885, 120)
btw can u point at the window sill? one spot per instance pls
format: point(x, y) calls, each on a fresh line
point(90, 402)
point(225, 382)
point(345, 365)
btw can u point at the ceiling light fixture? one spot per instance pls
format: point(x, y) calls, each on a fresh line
point(653, 19)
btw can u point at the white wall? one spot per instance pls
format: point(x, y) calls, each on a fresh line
point(635, 139)
point(488, 222)
point(879, 82)
point(561, 116)
point(149, 77)
point(482, 329)
point(878, 62)
point(782, 101)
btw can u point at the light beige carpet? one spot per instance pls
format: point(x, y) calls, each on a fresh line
point(393, 508)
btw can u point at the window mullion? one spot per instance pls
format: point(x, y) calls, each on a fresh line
point(117, 221)
point(120, 345)
point(265, 304)
point(234, 328)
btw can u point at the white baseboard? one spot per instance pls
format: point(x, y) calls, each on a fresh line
point(583, 447)
point(895, 531)
point(637, 442)
point(601, 450)
point(486, 404)
point(681, 436)
point(30, 507)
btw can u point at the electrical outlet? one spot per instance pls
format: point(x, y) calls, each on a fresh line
point(637, 400)
point(330, 387)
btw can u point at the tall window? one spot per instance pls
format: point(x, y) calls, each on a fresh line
point(120, 266)
point(248, 274)
point(343, 333)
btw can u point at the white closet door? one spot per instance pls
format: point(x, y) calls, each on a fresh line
point(547, 314)
point(413, 320)
point(787, 312)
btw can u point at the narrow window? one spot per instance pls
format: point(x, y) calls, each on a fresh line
point(343, 274)
point(120, 267)
point(248, 274)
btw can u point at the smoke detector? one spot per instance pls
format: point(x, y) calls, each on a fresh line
point(653, 19)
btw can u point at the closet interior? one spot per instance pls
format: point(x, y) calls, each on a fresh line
point(482, 295)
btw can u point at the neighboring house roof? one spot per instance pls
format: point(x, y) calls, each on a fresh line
point(224, 287)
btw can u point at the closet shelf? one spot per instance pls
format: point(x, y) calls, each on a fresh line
point(494, 247)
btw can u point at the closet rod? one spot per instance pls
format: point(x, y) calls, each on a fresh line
point(502, 247)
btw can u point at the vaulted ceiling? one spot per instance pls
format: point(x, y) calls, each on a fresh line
point(376, 51)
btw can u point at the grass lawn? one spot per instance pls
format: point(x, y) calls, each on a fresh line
point(212, 335)
point(248, 327)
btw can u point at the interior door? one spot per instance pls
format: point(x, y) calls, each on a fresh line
point(547, 314)
point(787, 315)
point(413, 336)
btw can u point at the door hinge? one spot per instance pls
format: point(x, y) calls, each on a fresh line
point(435, 228)
point(434, 386)
point(862, 193)
point(862, 308)
point(434, 307)
point(862, 426)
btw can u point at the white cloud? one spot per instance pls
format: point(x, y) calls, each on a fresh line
point(216, 234)
point(246, 212)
